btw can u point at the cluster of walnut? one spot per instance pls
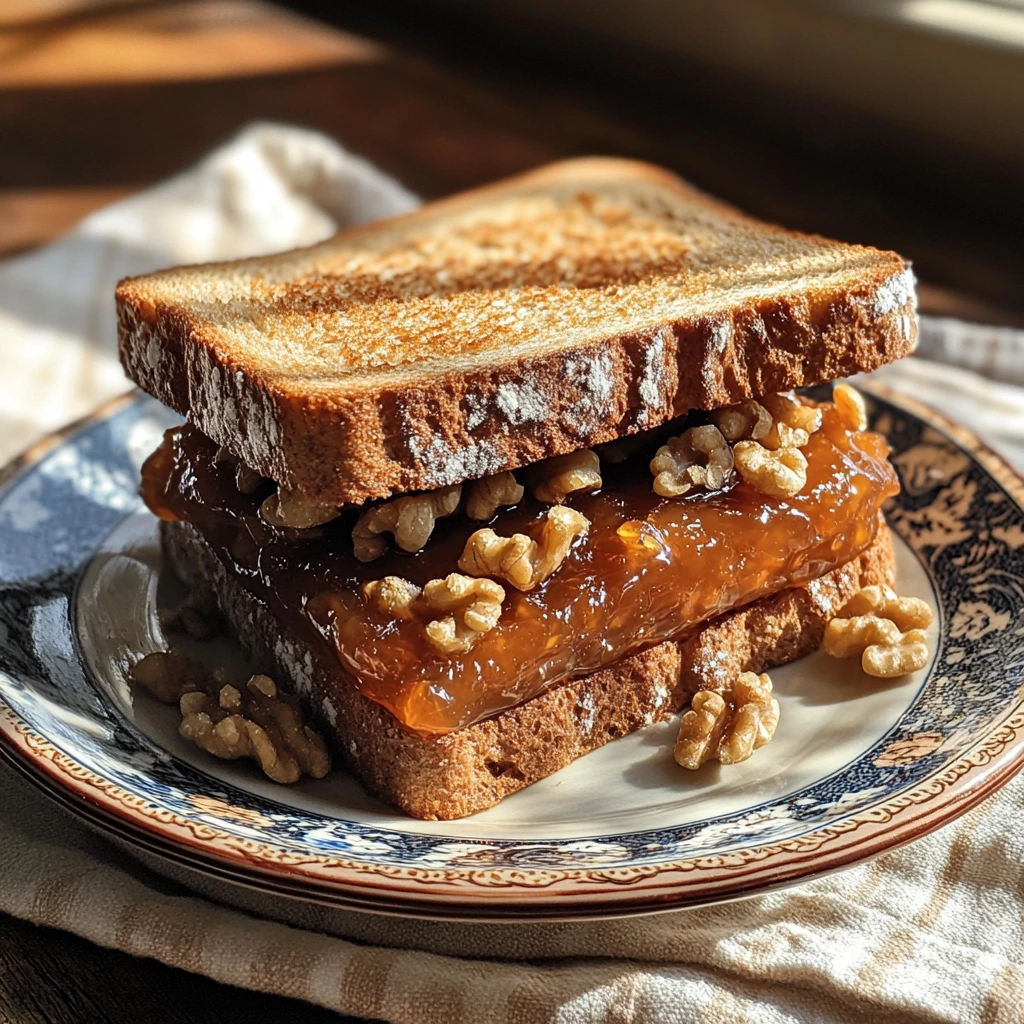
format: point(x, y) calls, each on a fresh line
point(728, 727)
point(761, 440)
point(411, 519)
point(773, 463)
point(885, 631)
point(254, 720)
point(457, 610)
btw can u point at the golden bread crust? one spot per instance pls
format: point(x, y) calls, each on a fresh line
point(584, 301)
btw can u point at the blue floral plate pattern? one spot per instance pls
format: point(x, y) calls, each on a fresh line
point(938, 743)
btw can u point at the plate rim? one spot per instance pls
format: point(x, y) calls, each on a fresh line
point(506, 892)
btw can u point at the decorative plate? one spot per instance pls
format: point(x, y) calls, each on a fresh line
point(856, 767)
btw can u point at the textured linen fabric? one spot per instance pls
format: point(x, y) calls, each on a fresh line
point(933, 932)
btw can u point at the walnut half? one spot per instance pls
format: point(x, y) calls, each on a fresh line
point(849, 403)
point(519, 559)
point(553, 480)
point(780, 473)
point(409, 520)
point(394, 595)
point(728, 727)
point(290, 509)
point(879, 599)
point(473, 607)
point(792, 421)
point(746, 421)
point(484, 497)
point(698, 457)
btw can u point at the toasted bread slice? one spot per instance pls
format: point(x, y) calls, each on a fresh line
point(466, 771)
point(581, 302)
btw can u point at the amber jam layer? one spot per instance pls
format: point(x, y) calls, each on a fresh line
point(649, 570)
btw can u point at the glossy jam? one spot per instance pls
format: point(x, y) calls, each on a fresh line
point(649, 570)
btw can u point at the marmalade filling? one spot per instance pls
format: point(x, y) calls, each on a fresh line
point(649, 569)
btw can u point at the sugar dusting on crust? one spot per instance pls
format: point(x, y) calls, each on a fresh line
point(587, 712)
point(896, 293)
point(821, 600)
point(442, 464)
point(298, 663)
point(652, 380)
point(522, 402)
point(593, 376)
point(330, 711)
point(721, 335)
point(476, 411)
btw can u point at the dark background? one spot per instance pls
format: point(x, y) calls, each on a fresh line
point(462, 93)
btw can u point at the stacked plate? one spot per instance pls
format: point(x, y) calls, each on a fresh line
point(857, 766)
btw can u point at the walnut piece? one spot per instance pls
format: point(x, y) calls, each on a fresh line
point(698, 457)
point(258, 722)
point(519, 559)
point(247, 480)
point(394, 595)
point(289, 509)
point(788, 410)
point(746, 421)
point(885, 651)
point(409, 520)
point(199, 619)
point(484, 497)
point(850, 405)
point(909, 655)
point(848, 637)
point(167, 676)
point(728, 727)
point(881, 600)
point(553, 480)
point(473, 607)
point(780, 473)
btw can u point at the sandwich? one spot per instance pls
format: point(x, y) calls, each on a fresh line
point(490, 484)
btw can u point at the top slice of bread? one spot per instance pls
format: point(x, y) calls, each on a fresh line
point(568, 306)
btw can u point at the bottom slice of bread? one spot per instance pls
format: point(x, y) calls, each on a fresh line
point(466, 771)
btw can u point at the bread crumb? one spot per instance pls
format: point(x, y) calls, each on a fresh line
point(330, 711)
point(587, 712)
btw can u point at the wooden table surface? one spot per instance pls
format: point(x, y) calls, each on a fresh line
point(100, 99)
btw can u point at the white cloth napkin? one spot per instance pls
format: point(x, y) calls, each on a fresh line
point(931, 933)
